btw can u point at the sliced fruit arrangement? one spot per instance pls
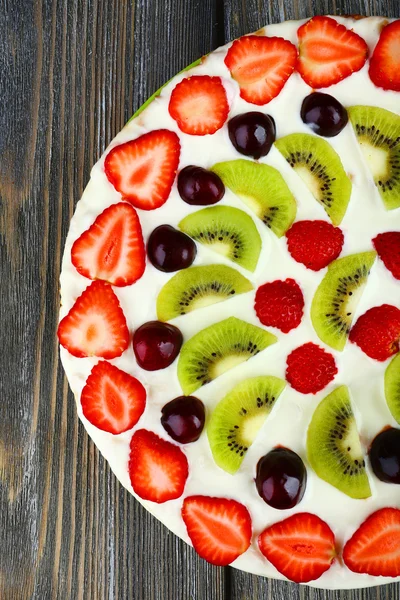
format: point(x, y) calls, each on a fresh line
point(183, 419)
point(377, 332)
point(374, 547)
point(238, 418)
point(378, 133)
point(263, 189)
point(281, 478)
point(95, 325)
point(198, 287)
point(384, 455)
point(199, 105)
point(112, 400)
point(156, 345)
point(158, 470)
point(301, 547)
point(226, 230)
point(328, 52)
point(143, 170)
point(384, 66)
point(280, 304)
point(261, 65)
point(309, 368)
point(217, 349)
point(387, 246)
point(334, 448)
point(392, 387)
point(320, 167)
point(112, 249)
point(323, 114)
point(219, 528)
point(337, 297)
point(200, 187)
point(252, 133)
point(170, 250)
point(315, 244)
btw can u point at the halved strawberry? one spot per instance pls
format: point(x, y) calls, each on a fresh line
point(95, 325)
point(329, 52)
point(112, 400)
point(199, 105)
point(158, 469)
point(384, 66)
point(143, 170)
point(375, 547)
point(219, 529)
point(301, 547)
point(387, 246)
point(261, 65)
point(112, 249)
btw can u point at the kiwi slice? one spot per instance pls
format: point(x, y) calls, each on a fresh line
point(378, 133)
point(334, 447)
point(337, 297)
point(218, 348)
point(263, 189)
point(226, 230)
point(237, 419)
point(392, 387)
point(317, 163)
point(197, 287)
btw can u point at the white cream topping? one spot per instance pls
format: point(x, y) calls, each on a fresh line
point(287, 424)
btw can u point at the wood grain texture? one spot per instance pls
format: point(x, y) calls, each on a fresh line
point(71, 73)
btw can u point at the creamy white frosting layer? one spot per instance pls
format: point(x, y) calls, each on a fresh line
point(287, 425)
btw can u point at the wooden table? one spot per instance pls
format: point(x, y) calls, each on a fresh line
point(71, 74)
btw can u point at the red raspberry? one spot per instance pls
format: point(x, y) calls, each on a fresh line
point(280, 304)
point(377, 332)
point(315, 244)
point(387, 246)
point(310, 368)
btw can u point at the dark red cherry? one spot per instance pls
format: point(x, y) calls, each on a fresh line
point(199, 186)
point(183, 419)
point(252, 133)
point(170, 250)
point(323, 114)
point(156, 345)
point(384, 455)
point(281, 478)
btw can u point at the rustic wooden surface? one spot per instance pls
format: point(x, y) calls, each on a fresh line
point(71, 73)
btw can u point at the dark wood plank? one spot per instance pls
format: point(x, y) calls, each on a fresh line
point(244, 16)
point(71, 73)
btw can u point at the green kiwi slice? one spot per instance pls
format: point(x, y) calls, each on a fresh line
point(392, 387)
point(319, 166)
point(378, 133)
point(226, 230)
point(218, 348)
point(334, 448)
point(337, 297)
point(238, 417)
point(197, 287)
point(263, 189)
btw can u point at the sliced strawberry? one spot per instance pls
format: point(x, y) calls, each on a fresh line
point(112, 249)
point(280, 304)
point(158, 469)
point(219, 529)
point(261, 65)
point(301, 547)
point(95, 325)
point(315, 244)
point(199, 105)
point(143, 170)
point(387, 246)
point(329, 52)
point(377, 332)
point(384, 66)
point(375, 547)
point(112, 400)
point(310, 368)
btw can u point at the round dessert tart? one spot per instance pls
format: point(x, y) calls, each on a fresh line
point(230, 316)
